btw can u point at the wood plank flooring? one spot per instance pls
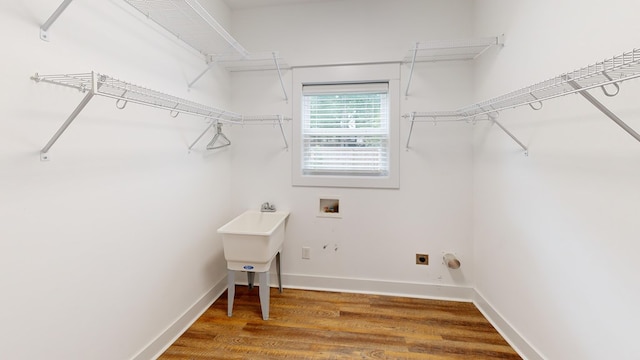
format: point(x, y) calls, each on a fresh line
point(328, 325)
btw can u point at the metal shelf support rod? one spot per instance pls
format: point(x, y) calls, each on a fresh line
point(201, 135)
point(604, 110)
point(413, 118)
point(45, 27)
point(286, 144)
point(286, 98)
point(413, 63)
point(498, 41)
point(209, 65)
point(493, 118)
point(65, 125)
point(91, 92)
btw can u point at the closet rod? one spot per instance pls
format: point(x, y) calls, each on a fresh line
point(274, 119)
point(455, 117)
point(436, 117)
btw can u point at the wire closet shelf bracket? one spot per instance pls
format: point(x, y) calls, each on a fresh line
point(606, 75)
point(190, 22)
point(92, 84)
point(448, 50)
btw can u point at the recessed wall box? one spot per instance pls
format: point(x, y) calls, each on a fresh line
point(329, 207)
point(422, 259)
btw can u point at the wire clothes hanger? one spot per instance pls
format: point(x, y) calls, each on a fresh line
point(212, 144)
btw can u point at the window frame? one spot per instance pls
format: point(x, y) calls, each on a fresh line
point(347, 74)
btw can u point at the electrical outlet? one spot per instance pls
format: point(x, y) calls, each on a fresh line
point(306, 252)
point(422, 259)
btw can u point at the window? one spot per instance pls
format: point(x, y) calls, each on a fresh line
point(345, 129)
point(346, 126)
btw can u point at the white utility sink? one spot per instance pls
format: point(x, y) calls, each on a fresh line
point(252, 239)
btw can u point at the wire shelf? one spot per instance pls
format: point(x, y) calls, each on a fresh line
point(609, 72)
point(439, 116)
point(252, 62)
point(93, 83)
point(125, 92)
point(258, 119)
point(188, 21)
point(606, 74)
point(191, 23)
point(448, 50)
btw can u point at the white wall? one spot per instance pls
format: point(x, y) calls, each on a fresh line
point(106, 246)
point(381, 230)
point(555, 233)
point(103, 247)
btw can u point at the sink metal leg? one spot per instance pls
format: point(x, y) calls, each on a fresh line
point(250, 279)
point(264, 294)
point(278, 272)
point(231, 290)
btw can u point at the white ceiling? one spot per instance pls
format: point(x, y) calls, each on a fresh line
point(243, 4)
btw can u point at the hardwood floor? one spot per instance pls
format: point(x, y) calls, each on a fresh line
point(327, 325)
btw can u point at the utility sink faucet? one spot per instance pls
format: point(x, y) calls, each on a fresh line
point(266, 207)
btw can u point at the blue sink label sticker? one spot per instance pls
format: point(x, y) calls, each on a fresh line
point(248, 267)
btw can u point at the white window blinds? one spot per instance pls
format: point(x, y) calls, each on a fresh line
point(345, 129)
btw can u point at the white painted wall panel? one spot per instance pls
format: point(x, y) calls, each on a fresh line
point(380, 230)
point(555, 233)
point(103, 247)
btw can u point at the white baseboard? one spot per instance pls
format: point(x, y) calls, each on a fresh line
point(378, 287)
point(364, 286)
point(175, 330)
point(505, 329)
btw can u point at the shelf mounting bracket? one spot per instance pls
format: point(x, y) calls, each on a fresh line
point(284, 137)
point(493, 118)
point(413, 63)
point(212, 60)
point(286, 98)
point(412, 119)
point(604, 109)
point(44, 156)
point(209, 65)
point(44, 35)
point(213, 123)
point(91, 92)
